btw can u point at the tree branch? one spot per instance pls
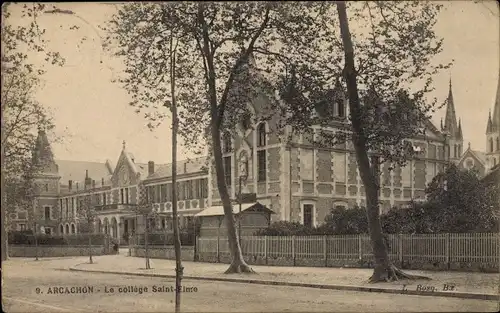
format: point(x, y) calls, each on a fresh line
point(241, 60)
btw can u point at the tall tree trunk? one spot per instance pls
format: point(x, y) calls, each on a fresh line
point(384, 269)
point(238, 264)
point(177, 240)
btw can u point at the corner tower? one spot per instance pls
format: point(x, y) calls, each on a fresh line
point(46, 177)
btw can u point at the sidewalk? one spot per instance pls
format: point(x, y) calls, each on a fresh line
point(467, 285)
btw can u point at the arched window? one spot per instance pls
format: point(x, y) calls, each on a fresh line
point(73, 229)
point(226, 142)
point(61, 229)
point(67, 229)
point(491, 144)
point(494, 162)
point(498, 143)
point(261, 133)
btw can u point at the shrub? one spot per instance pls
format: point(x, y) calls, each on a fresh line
point(187, 236)
point(28, 238)
point(284, 228)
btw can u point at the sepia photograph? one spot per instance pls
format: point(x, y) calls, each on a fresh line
point(172, 156)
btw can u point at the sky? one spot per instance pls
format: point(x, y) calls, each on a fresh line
point(94, 118)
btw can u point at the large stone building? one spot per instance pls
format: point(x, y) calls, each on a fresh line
point(294, 179)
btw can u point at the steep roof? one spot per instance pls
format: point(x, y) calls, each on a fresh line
point(42, 156)
point(75, 171)
point(183, 167)
point(481, 156)
point(494, 120)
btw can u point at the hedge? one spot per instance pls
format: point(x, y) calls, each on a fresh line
point(28, 238)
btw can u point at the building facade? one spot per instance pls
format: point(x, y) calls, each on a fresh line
point(293, 178)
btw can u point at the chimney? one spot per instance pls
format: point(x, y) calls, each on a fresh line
point(93, 183)
point(87, 181)
point(151, 167)
point(70, 185)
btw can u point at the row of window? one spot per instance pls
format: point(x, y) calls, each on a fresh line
point(186, 190)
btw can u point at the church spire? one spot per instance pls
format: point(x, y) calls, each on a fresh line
point(450, 121)
point(496, 109)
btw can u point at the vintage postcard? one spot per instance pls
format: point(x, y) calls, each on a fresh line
point(337, 156)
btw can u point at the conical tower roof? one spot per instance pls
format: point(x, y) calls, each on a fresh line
point(496, 110)
point(450, 120)
point(42, 156)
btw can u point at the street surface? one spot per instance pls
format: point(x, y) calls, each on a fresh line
point(22, 277)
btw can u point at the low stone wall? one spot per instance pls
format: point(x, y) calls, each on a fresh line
point(55, 251)
point(164, 252)
point(363, 263)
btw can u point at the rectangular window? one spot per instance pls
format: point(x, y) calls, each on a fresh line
point(169, 192)
point(104, 198)
point(121, 196)
point(163, 193)
point(308, 215)
point(73, 203)
point(22, 227)
point(189, 189)
point(180, 191)
point(126, 195)
point(204, 188)
point(67, 204)
point(157, 194)
point(307, 164)
point(47, 213)
point(261, 165)
point(197, 189)
point(227, 170)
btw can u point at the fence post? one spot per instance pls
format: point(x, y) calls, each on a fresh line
point(447, 250)
point(218, 252)
point(265, 248)
point(360, 247)
point(325, 252)
point(400, 250)
point(165, 244)
point(195, 254)
point(293, 250)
